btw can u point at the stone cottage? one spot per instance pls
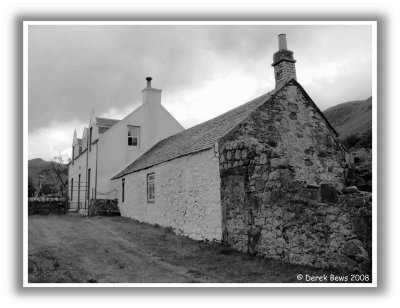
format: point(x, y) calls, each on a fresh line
point(267, 177)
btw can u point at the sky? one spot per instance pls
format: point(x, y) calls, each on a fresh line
point(203, 71)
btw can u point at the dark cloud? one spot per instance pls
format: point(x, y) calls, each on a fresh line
point(73, 69)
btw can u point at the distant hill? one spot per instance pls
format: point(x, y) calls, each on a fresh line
point(351, 117)
point(38, 167)
point(353, 122)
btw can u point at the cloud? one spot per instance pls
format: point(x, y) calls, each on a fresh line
point(214, 98)
point(203, 70)
point(48, 142)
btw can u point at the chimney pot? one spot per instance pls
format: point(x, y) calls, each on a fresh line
point(282, 41)
point(149, 81)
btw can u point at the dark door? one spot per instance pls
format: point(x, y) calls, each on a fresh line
point(79, 191)
point(88, 185)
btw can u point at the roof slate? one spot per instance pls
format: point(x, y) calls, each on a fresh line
point(106, 122)
point(103, 129)
point(197, 138)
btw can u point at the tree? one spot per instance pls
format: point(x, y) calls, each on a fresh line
point(58, 175)
point(351, 141)
point(48, 189)
point(31, 187)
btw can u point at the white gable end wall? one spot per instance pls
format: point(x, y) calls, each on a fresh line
point(110, 152)
point(115, 154)
point(187, 196)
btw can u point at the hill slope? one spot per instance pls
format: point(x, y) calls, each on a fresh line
point(353, 122)
point(351, 117)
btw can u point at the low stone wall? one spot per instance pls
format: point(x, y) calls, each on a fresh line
point(103, 207)
point(47, 206)
point(315, 226)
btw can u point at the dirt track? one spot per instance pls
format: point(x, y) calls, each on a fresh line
point(115, 249)
point(93, 247)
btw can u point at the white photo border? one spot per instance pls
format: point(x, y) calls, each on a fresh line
point(374, 47)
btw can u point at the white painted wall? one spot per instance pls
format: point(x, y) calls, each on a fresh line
point(112, 151)
point(187, 196)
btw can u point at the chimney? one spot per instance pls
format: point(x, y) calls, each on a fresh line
point(151, 95)
point(283, 62)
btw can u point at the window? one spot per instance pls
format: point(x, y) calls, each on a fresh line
point(72, 188)
point(151, 179)
point(123, 190)
point(90, 139)
point(133, 136)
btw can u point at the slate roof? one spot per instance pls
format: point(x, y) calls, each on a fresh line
point(197, 138)
point(103, 129)
point(106, 122)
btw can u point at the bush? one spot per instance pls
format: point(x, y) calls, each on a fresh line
point(357, 141)
point(351, 141)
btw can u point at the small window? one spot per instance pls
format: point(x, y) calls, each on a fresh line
point(123, 190)
point(151, 179)
point(133, 136)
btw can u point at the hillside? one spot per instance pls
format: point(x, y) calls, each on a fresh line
point(353, 122)
point(51, 181)
point(351, 118)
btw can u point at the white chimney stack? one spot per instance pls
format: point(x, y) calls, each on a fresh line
point(151, 95)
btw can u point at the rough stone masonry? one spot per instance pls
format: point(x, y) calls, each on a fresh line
point(282, 173)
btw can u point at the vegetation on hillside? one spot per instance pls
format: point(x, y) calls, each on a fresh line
point(353, 122)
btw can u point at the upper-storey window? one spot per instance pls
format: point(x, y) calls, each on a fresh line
point(133, 136)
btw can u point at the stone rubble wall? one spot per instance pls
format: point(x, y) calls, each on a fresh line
point(103, 207)
point(286, 139)
point(310, 226)
point(46, 206)
point(279, 171)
